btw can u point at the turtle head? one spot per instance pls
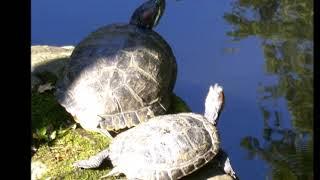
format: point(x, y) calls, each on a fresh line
point(148, 14)
point(214, 103)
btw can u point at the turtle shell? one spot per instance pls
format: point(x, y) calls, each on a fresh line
point(165, 147)
point(121, 73)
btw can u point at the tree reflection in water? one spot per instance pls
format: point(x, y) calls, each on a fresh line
point(286, 30)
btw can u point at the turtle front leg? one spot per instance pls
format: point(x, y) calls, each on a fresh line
point(94, 161)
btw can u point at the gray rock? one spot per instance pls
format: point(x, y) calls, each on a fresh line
point(37, 170)
point(48, 59)
point(211, 171)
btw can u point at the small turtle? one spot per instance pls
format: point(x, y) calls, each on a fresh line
point(167, 146)
point(121, 74)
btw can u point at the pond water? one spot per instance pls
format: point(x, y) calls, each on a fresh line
point(261, 52)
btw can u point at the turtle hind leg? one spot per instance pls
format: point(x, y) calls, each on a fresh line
point(94, 161)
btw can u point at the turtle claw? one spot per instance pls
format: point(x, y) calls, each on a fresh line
point(86, 164)
point(81, 164)
point(105, 133)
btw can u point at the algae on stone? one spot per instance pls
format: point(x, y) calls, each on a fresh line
point(59, 156)
point(178, 105)
point(48, 59)
point(47, 116)
point(58, 143)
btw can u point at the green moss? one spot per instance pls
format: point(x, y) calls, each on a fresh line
point(48, 117)
point(178, 105)
point(77, 144)
point(47, 77)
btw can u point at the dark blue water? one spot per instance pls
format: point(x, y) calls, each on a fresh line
point(265, 67)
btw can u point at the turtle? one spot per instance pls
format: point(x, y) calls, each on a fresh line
point(166, 147)
point(120, 75)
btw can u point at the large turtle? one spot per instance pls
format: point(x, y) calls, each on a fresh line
point(167, 146)
point(121, 74)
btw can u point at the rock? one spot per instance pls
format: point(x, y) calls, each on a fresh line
point(45, 87)
point(53, 59)
point(221, 177)
point(34, 81)
point(37, 170)
point(44, 54)
point(210, 171)
point(48, 59)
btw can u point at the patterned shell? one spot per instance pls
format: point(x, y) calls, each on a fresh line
point(165, 147)
point(120, 72)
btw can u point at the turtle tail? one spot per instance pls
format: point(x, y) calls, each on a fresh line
point(214, 103)
point(94, 161)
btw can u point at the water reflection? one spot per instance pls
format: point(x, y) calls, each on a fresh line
point(286, 30)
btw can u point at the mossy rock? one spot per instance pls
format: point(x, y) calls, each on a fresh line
point(46, 59)
point(60, 154)
point(58, 142)
point(68, 144)
point(55, 156)
point(178, 105)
